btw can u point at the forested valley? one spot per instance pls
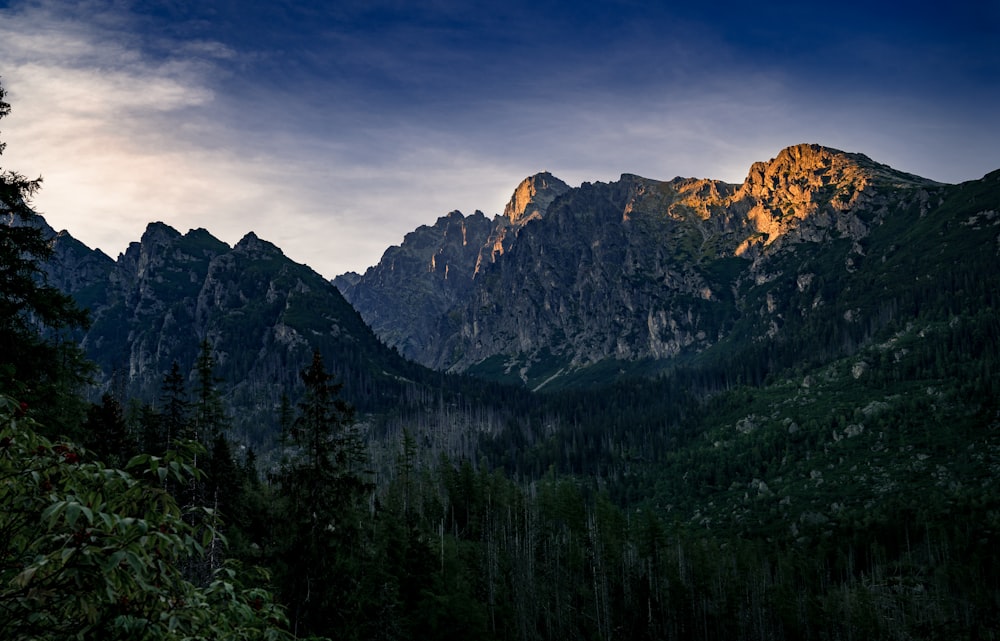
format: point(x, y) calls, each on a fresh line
point(837, 484)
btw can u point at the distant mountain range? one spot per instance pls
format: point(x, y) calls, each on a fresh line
point(574, 284)
point(570, 286)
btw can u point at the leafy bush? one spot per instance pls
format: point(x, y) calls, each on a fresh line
point(88, 552)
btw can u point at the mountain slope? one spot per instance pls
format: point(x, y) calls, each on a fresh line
point(420, 280)
point(262, 313)
point(632, 275)
point(415, 284)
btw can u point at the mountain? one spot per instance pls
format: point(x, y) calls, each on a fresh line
point(420, 280)
point(630, 276)
point(262, 313)
point(417, 283)
point(75, 268)
point(805, 262)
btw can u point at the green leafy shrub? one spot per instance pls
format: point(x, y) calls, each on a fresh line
point(89, 552)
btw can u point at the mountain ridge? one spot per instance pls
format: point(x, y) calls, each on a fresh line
point(262, 314)
point(636, 269)
point(570, 284)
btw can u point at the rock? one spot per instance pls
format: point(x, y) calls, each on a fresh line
point(628, 270)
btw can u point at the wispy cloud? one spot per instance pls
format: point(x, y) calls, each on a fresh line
point(334, 130)
point(123, 138)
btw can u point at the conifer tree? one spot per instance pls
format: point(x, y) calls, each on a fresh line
point(175, 422)
point(148, 426)
point(324, 499)
point(210, 417)
point(106, 433)
point(35, 355)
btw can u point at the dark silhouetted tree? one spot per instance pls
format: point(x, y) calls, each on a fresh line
point(324, 493)
point(39, 360)
point(175, 422)
point(209, 416)
point(106, 433)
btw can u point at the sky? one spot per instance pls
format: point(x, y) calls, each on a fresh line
point(334, 128)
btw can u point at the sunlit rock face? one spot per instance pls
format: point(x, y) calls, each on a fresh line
point(408, 297)
point(812, 193)
point(529, 202)
point(532, 197)
point(633, 269)
point(597, 277)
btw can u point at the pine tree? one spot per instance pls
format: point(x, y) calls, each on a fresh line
point(210, 417)
point(324, 496)
point(38, 358)
point(106, 433)
point(174, 418)
point(147, 424)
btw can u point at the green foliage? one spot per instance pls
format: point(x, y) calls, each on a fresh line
point(90, 552)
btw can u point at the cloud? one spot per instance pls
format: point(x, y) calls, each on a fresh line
point(332, 131)
point(124, 138)
point(87, 111)
point(121, 138)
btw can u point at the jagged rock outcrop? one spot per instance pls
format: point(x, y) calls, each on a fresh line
point(419, 280)
point(73, 268)
point(80, 270)
point(810, 193)
point(602, 276)
point(530, 201)
point(638, 268)
point(413, 287)
point(262, 313)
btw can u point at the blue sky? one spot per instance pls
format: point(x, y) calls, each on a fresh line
point(333, 128)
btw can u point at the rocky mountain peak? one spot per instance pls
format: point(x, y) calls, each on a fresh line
point(804, 168)
point(417, 281)
point(73, 266)
point(13, 220)
point(533, 196)
point(795, 169)
point(345, 281)
point(446, 238)
point(158, 233)
point(454, 227)
point(809, 193)
point(530, 201)
point(252, 246)
point(138, 255)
